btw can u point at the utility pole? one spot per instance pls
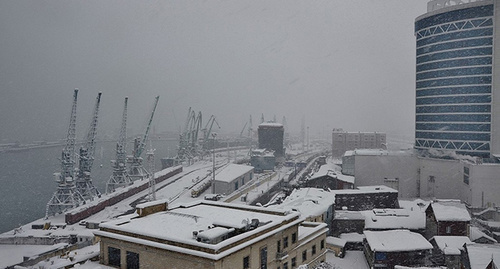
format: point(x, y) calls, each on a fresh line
point(214, 135)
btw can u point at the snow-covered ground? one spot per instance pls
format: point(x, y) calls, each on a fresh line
point(175, 190)
point(352, 259)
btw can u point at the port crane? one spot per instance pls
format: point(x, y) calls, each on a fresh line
point(120, 176)
point(66, 195)
point(83, 181)
point(137, 170)
point(188, 141)
point(208, 130)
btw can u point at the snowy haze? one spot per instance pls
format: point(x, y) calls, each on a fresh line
point(339, 64)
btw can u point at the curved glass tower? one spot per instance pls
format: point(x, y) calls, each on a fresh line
point(456, 108)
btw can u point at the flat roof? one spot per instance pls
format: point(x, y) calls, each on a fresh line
point(232, 171)
point(396, 241)
point(178, 224)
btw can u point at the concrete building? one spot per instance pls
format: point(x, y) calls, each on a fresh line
point(463, 177)
point(344, 141)
point(232, 177)
point(457, 108)
point(271, 137)
point(217, 235)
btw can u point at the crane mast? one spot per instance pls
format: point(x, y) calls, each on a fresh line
point(66, 195)
point(137, 170)
point(83, 181)
point(120, 175)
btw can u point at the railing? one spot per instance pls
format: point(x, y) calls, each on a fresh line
point(438, 4)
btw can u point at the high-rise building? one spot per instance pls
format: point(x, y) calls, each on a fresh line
point(457, 86)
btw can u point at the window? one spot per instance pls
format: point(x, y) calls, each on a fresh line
point(246, 262)
point(448, 229)
point(132, 260)
point(285, 265)
point(294, 262)
point(278, 245)
point(322, 244)
point(294, 238)
point(263, 258)
point(236, 185)
point(380, 256)
point(304, 255)
point(285, 242)
point(432, 179)
point(466, 175)
point(114, 256)
point(313, 250)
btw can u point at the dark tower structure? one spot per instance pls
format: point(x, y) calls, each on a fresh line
point(271, 137)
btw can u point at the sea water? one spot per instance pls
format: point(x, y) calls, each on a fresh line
point(27, 181)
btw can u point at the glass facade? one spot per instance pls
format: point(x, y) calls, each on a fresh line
point(454, 79)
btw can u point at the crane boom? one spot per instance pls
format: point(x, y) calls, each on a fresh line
point(83, 182)
point(66, 196)
point(142, 145)
point(120, 175)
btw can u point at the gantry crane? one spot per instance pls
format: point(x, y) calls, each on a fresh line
point(137, 170)
point(188, 141)
point(66, 195)
point(120, 175)
point(83, 181)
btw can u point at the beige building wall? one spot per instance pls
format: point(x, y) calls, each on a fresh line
point(152, 257)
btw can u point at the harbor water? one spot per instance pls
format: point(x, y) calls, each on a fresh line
point(27, 181)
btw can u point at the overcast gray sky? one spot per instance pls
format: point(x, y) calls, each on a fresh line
point(340, 64)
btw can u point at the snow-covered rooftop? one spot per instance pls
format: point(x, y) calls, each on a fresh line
point(271, 124)
point(375, 152)
point(381, 219)
point(178, 224)
point(232, 171)
point(451, 245)
point(352, 237)
point(307, 201)
point(480, 255)
point(396, 241)
point(333, 170)
point(450, 210)
point(476, 233)
point(335, 241)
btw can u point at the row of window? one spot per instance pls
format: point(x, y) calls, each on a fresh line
point(485, 127)
point(453, 109)
point(454, 136)
point(454, 118)
point(461, 99)
point(454, 90)
point(293, 261)
point(480, 60)
point(458, 44)
point(478, 80)
point(470, 71)
point(114, 258)
point(461, 53)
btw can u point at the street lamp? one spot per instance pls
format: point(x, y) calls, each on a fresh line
point(214, 136)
